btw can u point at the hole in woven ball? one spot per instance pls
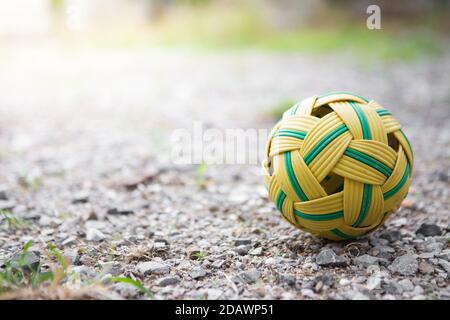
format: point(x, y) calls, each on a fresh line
point(332, 183)
point(392, 141)
point(321, 111)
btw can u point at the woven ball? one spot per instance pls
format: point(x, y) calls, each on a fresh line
point(337, 165)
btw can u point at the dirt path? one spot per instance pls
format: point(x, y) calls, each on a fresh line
point(85, 164)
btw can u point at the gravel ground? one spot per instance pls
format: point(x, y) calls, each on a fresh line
point(85, 164)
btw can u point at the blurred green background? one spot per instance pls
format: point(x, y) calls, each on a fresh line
point(410, 29)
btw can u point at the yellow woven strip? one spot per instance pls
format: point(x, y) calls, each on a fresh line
point(381, 152)
point(353, 169)
point(273, 188)
point(306, 106)
point(390, 124)
point(377, 130)
point(323, 127)
point(406, 147)
point(375, 209)
point(353, 194)
point(280, 171)
point(320, 225)
point(300, 123)
point(283, 144)
point(326, 160)
point(349, 117)
point(309, 184)
point(338, 97)
point(327, 204)
point(397, 172)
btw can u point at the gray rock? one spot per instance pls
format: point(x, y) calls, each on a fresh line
point(425, 267)
point(373, 282)
point(152, 267)
point(242, 242)
point(366, 260)
point(289, 279)
point(30, 260)
point(93, 234)
point(116, 211)
point(429, 230)
point(406, 285)
point(393, 287)
point(405, 265)
point(256, 252)
point(356, 295)
point(167, 281)
point(391, 235)
point(241, 250)
point(3, 196)
point(328, 258)
point(248, 277)
point(197, 273)
point(218, 263)
point(84, 272)
point(444, 264)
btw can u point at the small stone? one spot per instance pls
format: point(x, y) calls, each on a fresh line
point(197, 273)
point(327, 258)
point(408, 203)
point(241, 250)
point(167, 281)
point(373, 282)
point(366, 260)
point(80, 198)
point(444, 264)
point(289, 279)
point(7, 205)
point(391, 235)
point(152, 267)
point(93, 234)
point(406, 285)
point(115, 211)
point(392, 287)
point(425, 267)
point(256, 252)
point(248, 277)
point(218, 263)
point(429, 230)
point(30, 261)
point(86, 260)
point(84, 272)
point(405, 265)
point(242, 242)
point(355, 295)
point(193, 253)
point(3, 196)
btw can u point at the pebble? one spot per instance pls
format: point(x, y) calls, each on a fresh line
point(152, 267)
point(167, 281)
point(248, 277)
point(373, 282)
point(241, 250)
point(30, 261)
point(242, 242)
point(93, 234)
point(391, 235)
point(356, 295)
point(328, 258)
point(406, 285)
point(366, 260)
point(289, 279)
point(197, 273)
point(115, 211)
point(405, 265)
point(444, 264)
point(256, 252)
point(425, 267)
point(429, 230)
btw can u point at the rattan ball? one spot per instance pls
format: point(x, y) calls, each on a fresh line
point(337, 165)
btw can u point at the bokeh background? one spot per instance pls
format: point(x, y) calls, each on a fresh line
point(91, 90)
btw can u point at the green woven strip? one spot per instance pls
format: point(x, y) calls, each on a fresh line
point(407, 140)
point(341, 234)
point(365, 204)
point(363, 120)
point(319, 217)
point(295, 108)
point(322, 144)
point(291, 133)
point(368, 160)
point(343, 92)
point(293, 179)
point(280, 200)
point(383, 112)
point(399, 185)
